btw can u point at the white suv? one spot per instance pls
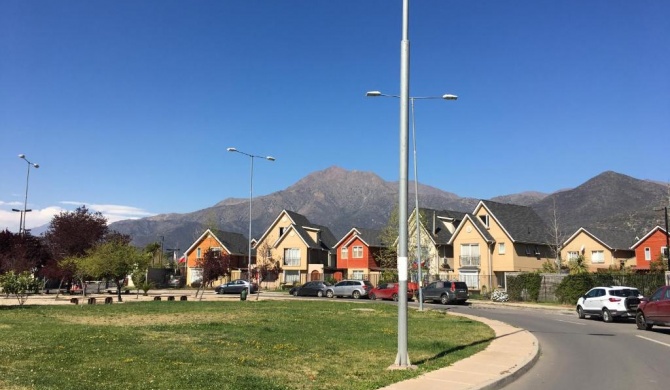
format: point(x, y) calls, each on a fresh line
point(609, 303)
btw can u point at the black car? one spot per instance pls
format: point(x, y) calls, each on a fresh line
point(446, 292)
point(313, 288)
point(236, 286)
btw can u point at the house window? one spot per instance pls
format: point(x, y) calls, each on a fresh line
point(344, 253)
point(292, 256)
point(501, 248)
point(358, 252)
point(529, 250)
point(470, 255)
point(199, 253)
point(281, 231)
point(215, 249)
point(597, 257)
point(485, 220)
point(647, 254)
point(664, 251)
point(573, 255)
point(291, 276)
point(357, 274)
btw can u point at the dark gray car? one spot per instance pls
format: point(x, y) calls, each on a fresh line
point(350, 288)
point(446, 292)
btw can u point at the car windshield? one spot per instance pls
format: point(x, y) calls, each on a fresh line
point(625, 292)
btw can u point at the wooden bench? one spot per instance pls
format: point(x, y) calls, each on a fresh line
point(91, 301)
point(109, 300)
point(183, 298)
point(74, 300)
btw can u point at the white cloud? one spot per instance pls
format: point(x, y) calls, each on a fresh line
point(39, 217)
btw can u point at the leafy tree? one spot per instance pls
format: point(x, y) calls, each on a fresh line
point(114, 260)
point(70, 235)
point(658, 265)
point(578, 266)
point(388, 255)
point(21, 252)
point(214, 265)
point(20, 285)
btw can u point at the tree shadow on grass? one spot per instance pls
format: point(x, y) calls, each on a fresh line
point(462, 347)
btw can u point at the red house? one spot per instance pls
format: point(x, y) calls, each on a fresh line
point(650, 247)
point(357, 255)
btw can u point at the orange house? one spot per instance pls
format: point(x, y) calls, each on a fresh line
point(650, 247)
point(234, 245)
point(357, 254)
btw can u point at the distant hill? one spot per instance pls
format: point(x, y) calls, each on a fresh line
point(341, 199)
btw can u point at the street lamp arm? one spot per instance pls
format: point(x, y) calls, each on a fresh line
point(446, 96)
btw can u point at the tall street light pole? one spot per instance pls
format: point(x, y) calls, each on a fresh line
point(251, 194)
point(667, 235)
point(416, 179)
point(22, 222)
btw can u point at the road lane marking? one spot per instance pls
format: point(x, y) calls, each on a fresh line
point(653, 341)
point(572, 322)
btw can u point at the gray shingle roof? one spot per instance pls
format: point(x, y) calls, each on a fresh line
point(521, 222)
point(237, 243)
point(613, 237)
point(371, 237)
point(301, 222)
point(440, 235)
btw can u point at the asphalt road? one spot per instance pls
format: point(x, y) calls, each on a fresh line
point(586, 354)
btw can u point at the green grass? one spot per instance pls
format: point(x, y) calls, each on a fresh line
point(225, 345)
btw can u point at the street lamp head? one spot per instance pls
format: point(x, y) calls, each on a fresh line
point(448, 96)
point(373, 93)
point(22, 156)
point(270, 158)
point(36, 165)
point(231, 149)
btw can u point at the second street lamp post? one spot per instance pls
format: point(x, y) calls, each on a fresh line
point(416, 180)
point(22, 222)
point(251, 194)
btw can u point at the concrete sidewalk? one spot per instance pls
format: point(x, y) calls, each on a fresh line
point(510, 354)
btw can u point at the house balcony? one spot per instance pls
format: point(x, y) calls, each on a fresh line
point(470, 261)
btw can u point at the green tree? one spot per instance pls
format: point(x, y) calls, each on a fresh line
point(388, 255)
point(20, 285)
point(578, 266)
point(214, 265)
point(114, 260)
point(658, 265)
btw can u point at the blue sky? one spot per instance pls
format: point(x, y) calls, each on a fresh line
point(129, 106)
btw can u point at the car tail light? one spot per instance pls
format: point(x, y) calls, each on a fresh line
point(453, 287)
point(615, 299)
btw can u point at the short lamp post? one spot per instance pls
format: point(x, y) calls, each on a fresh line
point(251, 194)
point(416, 180)
point(22, 222)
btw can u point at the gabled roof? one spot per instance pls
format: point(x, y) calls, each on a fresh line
point(435, 218)
point(370, 237)
point(611, 239)
point(300, 224)
point(483, 231)
point(233, 243)
point(651, 232)
point(520, 223)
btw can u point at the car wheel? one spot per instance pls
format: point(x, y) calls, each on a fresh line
point(295, 293)
point(373, 296)
point(395, 297)
point(580, 312)
point(607, 316)
point(329, 293)
point(356, 294)
point(319, 293)
point(641, 321)
point(444, 299)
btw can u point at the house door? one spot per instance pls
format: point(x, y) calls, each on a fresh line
point(315, 275)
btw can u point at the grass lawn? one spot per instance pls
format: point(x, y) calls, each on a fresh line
point(325, 344)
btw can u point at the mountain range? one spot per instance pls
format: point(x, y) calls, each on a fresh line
point(342, 199)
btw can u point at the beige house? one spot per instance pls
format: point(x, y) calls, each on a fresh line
point(601, 248)
point(303, 249)
point(498, 238)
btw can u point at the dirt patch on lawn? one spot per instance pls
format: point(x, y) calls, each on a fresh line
point(154, 319)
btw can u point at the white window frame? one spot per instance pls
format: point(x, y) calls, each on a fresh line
point(344, 253)
point(471, 278)
point(289, 257)
point(599, 261)
point(358, 252)
point(501, 248)
point(647, 253)
point(664, 251)
point(357, 274)
point(485, 219)
point(198, 253)
point(573, 255)
point(291, 276)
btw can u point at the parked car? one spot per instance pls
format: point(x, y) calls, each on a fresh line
point(389, 291)
point(609, 303)
point(350, 288)
point(446, 292)
point(314, 288)
point(236, 286)
point(176, 282)
point(655, 310)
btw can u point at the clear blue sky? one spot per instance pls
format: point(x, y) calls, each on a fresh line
point(129, 106)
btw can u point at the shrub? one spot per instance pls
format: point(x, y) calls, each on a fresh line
point(525, 284)
point(574, 286)
point(499, 296)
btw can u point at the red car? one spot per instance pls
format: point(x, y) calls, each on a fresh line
point(388, 291)
point(655, 310)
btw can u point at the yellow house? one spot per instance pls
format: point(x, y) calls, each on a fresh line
point(303, 249)
point(600, 248)
point(498, 238)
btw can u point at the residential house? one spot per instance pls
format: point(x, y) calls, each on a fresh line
point(358, 255)
point(436, 228)
point(650, 248)
point(303, 249)
point(601, 248)
point(498, 238)
point(234, 245)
